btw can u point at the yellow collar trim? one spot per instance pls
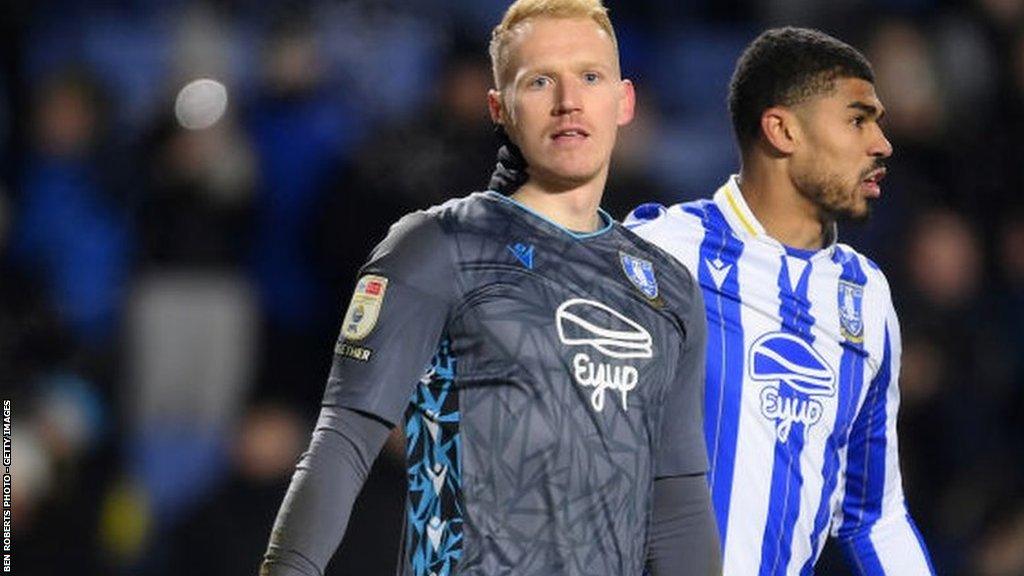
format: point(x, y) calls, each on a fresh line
point(739, 213)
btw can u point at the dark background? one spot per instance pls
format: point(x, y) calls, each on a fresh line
point(169, 298)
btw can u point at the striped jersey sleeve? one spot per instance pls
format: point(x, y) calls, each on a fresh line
point(877, 534)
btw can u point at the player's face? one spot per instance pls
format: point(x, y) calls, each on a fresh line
point(839, 163)
point(563, 99)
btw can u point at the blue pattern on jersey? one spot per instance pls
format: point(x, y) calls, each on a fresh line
point(434, 508)
point(719, 279)
point(851, 379)
point(787, 479)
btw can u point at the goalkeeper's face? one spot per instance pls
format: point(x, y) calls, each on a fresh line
point(563, 100)
point(838, 163)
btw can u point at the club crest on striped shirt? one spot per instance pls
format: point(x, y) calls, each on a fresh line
point(641, 273)
point(851, 323)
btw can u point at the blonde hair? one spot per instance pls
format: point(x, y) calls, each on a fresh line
point(522, 10)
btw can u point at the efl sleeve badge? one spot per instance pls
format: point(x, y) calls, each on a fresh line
point(364, 308)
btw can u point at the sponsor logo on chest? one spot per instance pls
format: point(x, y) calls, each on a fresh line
point(796, 378)
point(604, 334)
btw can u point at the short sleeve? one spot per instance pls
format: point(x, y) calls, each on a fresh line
point(681, 448)
point(394, 320)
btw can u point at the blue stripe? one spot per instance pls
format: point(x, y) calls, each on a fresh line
point(725, 355)
point(851, 378)
point(865, 469)
point(865, 472)
point(787, 479)
point(862, 555)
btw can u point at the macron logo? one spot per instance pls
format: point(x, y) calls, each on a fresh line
point(719, 271)
point(523, 253)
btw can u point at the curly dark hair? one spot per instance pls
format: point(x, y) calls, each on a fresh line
point(786, 66)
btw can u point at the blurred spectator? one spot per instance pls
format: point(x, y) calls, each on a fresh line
point(227, 533)
point(72, 231)
point(62, 470)
point(191, 342)
point(447, 150)
point(1004, 14)
point(301, 138)
point(205, 44)
point(964, 60)
point(195, 210)
point(32, 338)
point(26, 333)
point(915, 122)
point(955, 385)
point(59, 420)
point(191, 323)
point(908, 84)
point(31, 481)
point(1000, 551)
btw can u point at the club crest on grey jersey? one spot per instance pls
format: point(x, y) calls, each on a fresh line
point(583, 322)
point(641, 273)
point(796, 375)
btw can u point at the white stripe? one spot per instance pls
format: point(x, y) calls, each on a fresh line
point(795, 266)
point(684, 233)
point(897, 548)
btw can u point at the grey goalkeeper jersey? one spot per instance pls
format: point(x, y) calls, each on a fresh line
point(544, 379)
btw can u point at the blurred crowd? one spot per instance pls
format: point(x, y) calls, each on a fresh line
point(169, 296)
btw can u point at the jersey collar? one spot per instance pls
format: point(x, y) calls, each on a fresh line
point(606, 219)
point(741, 218)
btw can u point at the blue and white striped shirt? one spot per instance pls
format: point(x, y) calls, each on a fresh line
point(803, 359)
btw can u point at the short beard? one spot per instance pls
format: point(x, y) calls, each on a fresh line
point(832, 198)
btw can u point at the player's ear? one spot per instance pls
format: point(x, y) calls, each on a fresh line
point(494, 106)
point(779, 128)
point(627, 102)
